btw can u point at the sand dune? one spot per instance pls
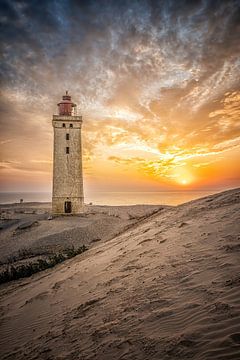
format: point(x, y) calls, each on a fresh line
point(96, 224)
point(166, 288)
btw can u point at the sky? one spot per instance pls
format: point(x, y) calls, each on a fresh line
point(157, 84)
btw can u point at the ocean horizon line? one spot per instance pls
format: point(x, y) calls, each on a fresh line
point(113, 198)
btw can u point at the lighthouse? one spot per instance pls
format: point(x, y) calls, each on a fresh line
point(67, 195)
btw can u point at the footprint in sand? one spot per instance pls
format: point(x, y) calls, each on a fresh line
point(131, 267)
point(116, 279)
point(162, 241)
point(182, 224)
point(144, 241)
point(188, 245)
point(233, 282)
point(180, 348)
point(82, 309)
point(233, 247)
point(220, 307)
point(57, 285)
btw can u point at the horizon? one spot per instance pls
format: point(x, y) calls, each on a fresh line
point(157, 84)
point(116, 198)
point(123, 191)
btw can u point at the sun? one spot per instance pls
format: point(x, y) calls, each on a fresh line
point(184, 177)
point(184, 182)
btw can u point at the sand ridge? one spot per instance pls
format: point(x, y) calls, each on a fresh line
point(166, 288)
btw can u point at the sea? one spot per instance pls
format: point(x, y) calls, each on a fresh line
point(112, 198)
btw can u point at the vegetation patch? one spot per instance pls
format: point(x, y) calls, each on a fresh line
point(25, 270)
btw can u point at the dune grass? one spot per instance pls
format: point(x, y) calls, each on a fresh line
point(25, 270)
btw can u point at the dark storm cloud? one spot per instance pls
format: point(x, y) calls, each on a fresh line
point(44, 35)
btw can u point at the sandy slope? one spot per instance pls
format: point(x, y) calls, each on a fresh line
point(96, 224)
point(168, 288)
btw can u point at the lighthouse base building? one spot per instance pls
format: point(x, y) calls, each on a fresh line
point(67, 196)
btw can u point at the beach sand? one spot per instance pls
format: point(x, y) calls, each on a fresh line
point(166, 287)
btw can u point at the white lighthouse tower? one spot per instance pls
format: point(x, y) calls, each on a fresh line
point(67, 196)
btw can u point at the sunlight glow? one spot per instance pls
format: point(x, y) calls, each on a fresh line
point(184, 176)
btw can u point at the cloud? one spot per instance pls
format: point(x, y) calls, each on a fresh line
point(157, 81)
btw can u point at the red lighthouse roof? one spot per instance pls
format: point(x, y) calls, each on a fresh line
point(65, 107)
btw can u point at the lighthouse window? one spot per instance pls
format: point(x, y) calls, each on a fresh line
point(67, 150)
point(71, 125)
point(63, 125)
point(67, 136)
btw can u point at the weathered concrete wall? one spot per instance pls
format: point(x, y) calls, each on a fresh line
point(67, 168)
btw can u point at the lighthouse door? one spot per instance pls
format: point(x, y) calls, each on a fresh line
point(68, 207)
